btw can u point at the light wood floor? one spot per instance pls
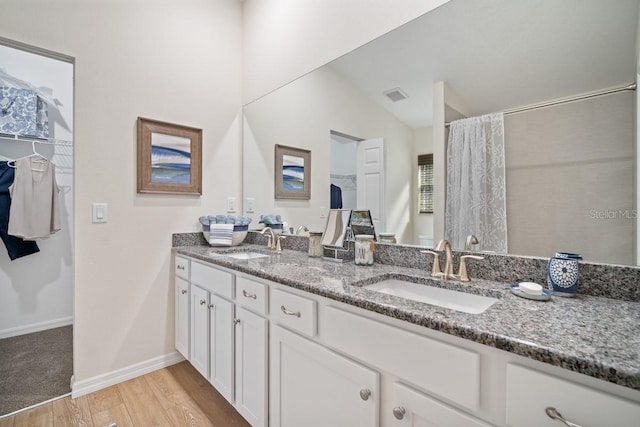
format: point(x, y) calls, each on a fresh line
point(174, 396)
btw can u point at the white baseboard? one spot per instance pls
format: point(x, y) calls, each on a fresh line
point(36, 327)
point(80, 388)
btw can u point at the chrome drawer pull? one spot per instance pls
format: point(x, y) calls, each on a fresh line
point(180, 267)
point(399, 412)
point(288, 312)
point(248, 295)
point(555, 415)
point(184, 291)
point(202, 302)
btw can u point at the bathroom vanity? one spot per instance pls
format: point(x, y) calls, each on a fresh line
point(291, 340)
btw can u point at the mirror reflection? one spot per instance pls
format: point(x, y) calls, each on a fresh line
point(569, 168)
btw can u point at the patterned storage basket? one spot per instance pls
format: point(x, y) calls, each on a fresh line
point(23, 112)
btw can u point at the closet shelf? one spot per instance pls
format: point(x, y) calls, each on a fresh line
point(39, 140)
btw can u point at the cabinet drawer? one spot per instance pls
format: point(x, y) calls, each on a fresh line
point(294, 312)
point(420, 409)
point(251, 294)
point(443, 369)
point(212, 279)
point(181, 267)
point(529, 393)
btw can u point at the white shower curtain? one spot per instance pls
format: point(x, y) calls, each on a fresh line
point(476, 191)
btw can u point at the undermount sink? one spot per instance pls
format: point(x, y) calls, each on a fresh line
point(454, 300)
point(247, 255)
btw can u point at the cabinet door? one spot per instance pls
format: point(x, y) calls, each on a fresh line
point(412, 408)
point(251, 367)
point(315, 387)
point(221, 341)
point(182, 317)
point(200, 330)
point(530, 393)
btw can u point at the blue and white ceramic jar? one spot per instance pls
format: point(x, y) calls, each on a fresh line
point(563, 272)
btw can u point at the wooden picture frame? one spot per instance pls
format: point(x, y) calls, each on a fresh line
point(292, 173)
point(169, 158)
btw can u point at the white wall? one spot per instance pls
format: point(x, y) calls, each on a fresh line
point(304, 112)
point(422, 223)
point(344, 158)
point(36, 291)
point(172, 61)
point(284, 39)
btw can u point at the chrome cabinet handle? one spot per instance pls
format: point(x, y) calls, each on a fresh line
point(202, 302)
point(180, 267)
point(236, 321)
point(399, 412)
point(288, 312)
point(248, 295)
point(555, 415)
point(365, 393)
point(184, 291)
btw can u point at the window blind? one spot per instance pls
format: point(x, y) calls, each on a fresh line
point(425, 183)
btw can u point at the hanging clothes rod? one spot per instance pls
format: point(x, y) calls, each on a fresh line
point(38, 140)
point(631, 86)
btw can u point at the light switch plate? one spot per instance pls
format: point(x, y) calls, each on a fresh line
point(251, 202)
point(99, 213)
point(231, 204)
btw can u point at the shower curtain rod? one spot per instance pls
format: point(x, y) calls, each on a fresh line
point(631, 86)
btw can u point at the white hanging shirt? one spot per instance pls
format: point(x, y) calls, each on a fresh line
point(35, 208)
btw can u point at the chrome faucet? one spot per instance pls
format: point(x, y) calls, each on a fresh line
point(462, 275)
point(444, 245)
point(302, 227)
point(271, 241)
point(471, 240)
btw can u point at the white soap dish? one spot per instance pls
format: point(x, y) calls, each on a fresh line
point(544, 296)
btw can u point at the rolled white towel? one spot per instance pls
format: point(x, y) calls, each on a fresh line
point(220, 234)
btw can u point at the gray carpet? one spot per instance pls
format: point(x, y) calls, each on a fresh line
point(35, 367)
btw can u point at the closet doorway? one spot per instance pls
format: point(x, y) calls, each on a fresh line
point(357, 175)
point(36, 287)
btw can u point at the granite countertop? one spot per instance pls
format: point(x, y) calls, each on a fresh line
point(591, 335)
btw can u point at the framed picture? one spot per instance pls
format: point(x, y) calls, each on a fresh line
point(292, 173)
point(169, 158)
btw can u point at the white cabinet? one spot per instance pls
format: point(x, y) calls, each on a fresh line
point(199, 348)
point(288, 358)
point(182, 316)
point(181, 267)
point(415, 409)
point(313, 386)
point(227, 342)
point(181, 300)
point(530, 393)
point(221, 349)
point(251, 366)
point(446, 370)
point(294, 312)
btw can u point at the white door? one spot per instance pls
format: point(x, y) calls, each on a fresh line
point(370, 180)
point(315, 387)
point(412, 408)
point(182, 317)
point(200, 330)
point(222, 345)
point(251, 367)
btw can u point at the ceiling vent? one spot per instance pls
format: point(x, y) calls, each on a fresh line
point(395, 94)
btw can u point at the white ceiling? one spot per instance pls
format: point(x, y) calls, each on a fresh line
point(499, 54)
